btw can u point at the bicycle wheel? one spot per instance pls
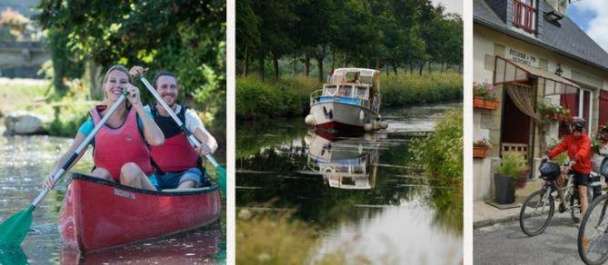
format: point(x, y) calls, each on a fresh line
point(536, 212)
point(592, 241)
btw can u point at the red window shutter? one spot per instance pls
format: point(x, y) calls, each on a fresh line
point(603, 117)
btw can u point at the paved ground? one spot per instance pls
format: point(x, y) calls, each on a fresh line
point(505, 243)
point(485, 214)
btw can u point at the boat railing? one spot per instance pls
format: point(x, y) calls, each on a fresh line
point(315, 96)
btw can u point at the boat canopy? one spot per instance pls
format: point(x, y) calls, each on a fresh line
point(365, 76)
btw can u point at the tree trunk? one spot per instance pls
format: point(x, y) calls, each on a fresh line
point(261, 62)
point(246, 69)
point(320, 64)
point(420, 67)
point(307, 66)
point(94, 76)
point(333, 59)
point(394, 69)
point(430, 64)
point(275, 63)
point(411, 68)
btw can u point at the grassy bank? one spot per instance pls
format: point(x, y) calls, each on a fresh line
point(62, 115)
point(267, 99)
point(407, 89)
point(289, 97)
point(277, 239)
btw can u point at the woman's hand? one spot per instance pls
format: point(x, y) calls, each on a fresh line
point(137, 71)
point(203, 150)
point(133, 96)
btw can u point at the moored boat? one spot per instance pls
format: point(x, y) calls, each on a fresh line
point(349, 102)
point(99, 214)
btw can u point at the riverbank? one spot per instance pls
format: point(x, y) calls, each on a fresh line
point(62, 116)
point(289, 97)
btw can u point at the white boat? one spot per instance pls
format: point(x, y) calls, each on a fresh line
point(349, 102)
point(344, 164)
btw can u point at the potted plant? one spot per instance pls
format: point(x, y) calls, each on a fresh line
point(551, 112)
point(510, 171)
point(480, 148)
point(484, 96)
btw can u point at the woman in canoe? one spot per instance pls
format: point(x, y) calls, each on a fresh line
point(121, 147)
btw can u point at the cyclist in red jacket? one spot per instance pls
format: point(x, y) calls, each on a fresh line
point(578, 145)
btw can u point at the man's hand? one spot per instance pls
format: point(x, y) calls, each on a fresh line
point(137, 71)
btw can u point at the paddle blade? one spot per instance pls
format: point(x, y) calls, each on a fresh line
point(220, 172)
point(12, 256)
point(14, 229)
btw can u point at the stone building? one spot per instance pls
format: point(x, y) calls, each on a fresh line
point(533, 55)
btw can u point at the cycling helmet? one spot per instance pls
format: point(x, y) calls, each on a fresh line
point(578, 123)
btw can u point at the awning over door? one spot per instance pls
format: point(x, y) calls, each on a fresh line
point(507, 71)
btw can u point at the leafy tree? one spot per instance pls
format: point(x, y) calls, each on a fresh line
point(183, 36)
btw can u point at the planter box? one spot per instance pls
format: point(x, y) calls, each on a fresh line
point(504, 189)
point(480, 151)
point(480, 103)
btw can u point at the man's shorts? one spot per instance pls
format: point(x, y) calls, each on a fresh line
point(581, 179)
point(171, 180)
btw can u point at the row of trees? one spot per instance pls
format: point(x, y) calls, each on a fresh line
point(371, 33)
point(186, 37)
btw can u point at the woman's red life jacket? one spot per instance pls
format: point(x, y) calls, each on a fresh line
point(116, 147)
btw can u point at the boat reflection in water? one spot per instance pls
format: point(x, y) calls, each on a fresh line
point(344, 163)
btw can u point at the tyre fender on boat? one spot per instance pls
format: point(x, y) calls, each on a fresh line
point(310, 120)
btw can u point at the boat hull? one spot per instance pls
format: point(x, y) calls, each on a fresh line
point(99, 214)
point(335, 115)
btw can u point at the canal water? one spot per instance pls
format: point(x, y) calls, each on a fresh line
point(363, 195)
point(24, 164)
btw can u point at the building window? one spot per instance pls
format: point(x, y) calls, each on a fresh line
point(524, 15)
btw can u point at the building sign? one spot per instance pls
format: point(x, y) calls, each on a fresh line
point(522, 57)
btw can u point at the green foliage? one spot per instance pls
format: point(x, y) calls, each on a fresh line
point(263, 99)
point(441, 152)
point(277, 239)
point(441, 155)
point(374, 34)
point(407, 89)
point(185, 37)
point(289, 97)
point(484, 90)
point(512, 165)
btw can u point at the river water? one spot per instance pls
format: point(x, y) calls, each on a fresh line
point(24, 164)
point(362, 195)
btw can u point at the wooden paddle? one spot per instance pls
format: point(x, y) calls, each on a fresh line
point(14, 229)
point(219, 169)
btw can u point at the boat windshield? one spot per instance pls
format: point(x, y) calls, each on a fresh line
point(362, 92)
point(329, 90)
point(344, 91)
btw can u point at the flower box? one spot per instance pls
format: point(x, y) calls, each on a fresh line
point(481, 103)
point(480, 151)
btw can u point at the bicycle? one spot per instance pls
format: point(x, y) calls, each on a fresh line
point(538, 209)
point(592, 239)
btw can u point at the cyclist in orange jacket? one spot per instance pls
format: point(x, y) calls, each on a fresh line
point(578, 146)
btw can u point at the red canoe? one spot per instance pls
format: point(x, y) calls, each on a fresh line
point(98, 214)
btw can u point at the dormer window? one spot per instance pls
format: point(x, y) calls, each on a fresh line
point(524, 15)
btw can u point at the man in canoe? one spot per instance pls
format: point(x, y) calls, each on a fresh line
point(121, 147)
point(177, 163)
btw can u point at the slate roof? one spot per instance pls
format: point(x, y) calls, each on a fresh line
point(567, 39)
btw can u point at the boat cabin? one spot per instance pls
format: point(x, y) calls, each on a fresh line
point(354, 83)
